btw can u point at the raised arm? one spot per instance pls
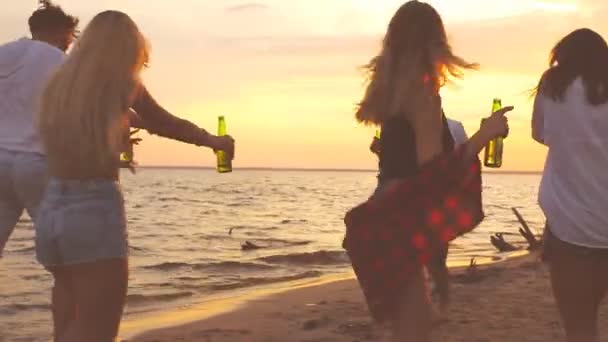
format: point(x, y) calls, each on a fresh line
point(494, 126)
point(156, 120)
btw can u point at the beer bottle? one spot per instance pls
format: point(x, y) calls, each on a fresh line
point(224, 164)
point(126, 156)
point(493, 151)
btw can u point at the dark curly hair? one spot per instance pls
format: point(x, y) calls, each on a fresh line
point(50, 17)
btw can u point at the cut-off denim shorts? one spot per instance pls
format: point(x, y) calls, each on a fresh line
point(81, 222)
point(22, 185)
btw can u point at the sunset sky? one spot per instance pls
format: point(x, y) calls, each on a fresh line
point(285, 73)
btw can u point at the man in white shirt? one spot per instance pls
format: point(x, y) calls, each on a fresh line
point(25, 66)
point(459, 134)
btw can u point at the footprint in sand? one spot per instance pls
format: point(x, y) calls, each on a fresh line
point(358, 330)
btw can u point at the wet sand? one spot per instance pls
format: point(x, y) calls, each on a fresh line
point(507, 301)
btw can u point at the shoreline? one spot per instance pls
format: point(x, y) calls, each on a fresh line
point(216, 305)
point(139, 326)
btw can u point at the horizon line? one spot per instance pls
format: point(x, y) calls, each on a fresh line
point(303, 169)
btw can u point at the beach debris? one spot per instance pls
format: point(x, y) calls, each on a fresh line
point(359, 330)
point(499, 242)
point(311, 324)
point(230, 231)
point(533, 242)
point(472, 273)
point(502, 245)
point(472, 269)
point(249, 246)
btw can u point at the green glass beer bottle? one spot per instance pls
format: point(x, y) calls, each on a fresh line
point(224, 164)
point(127, 154)
point(493, 151)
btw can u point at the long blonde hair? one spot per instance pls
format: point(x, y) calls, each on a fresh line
point(414, 62)
point(83, 106)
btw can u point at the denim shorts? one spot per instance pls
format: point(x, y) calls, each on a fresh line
point(81, 222)
point(22, 184)
point(555, 249)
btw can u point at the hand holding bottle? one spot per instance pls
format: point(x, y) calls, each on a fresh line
point(223, 143)
point(497, 125)
point(375, 145)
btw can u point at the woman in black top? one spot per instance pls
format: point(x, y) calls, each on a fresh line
point(403, 98)
point(398, 160)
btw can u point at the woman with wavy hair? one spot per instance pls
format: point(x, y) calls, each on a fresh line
point(81, 235)
point(416, 158)
point(571, 118)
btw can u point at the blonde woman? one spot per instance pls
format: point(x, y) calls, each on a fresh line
point(81, 235)
point(402, 97)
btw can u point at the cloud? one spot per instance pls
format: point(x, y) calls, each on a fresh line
point(247, 7)
point(521, 43)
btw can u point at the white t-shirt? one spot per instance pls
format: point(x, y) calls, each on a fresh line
point(574, 189)
point(25, 67)
point(457, 131)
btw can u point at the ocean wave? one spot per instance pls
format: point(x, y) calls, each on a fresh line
point(13, 309)
point(22, 238)
point(35, 276)
point(255, 281)
point(25, 250)
point(315, 258)
point(223, 189)
point(224, 266)
point(259, 230)
point(134, 299)
point(277, 243)
point(186, 278)
point(294, 221)
point(167, 266)
point(282, 242)
point(169, 199)
point(238, 204)
point(137, 249)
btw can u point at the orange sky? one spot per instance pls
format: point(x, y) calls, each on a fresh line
point(285, 73)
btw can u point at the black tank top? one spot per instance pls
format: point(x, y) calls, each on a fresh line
point(398, 157)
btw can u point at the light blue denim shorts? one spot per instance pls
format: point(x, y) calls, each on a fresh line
point(81, 222)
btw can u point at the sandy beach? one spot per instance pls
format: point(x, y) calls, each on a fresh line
point(507, 301)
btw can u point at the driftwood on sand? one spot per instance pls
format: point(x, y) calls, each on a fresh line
point(249, 246)
point(502, 245)
point(533, 242)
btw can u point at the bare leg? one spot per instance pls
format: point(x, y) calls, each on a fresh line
point(440, 275)
point(414, 321)
point(63, 302)
point(100, 290)
point(572, 280)
point(600, 281)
